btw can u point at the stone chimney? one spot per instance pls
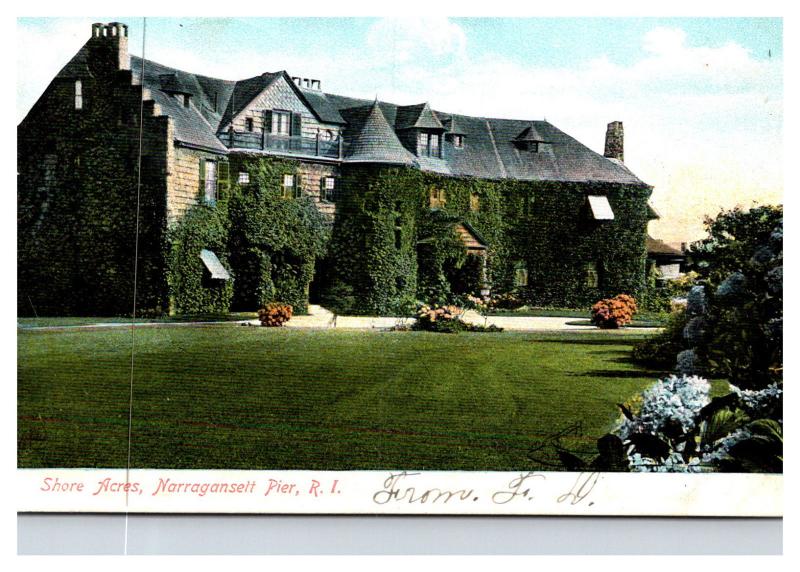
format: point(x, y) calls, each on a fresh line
point(108, 47)
point(615, 141)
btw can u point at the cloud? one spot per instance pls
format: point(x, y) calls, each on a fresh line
point(402, 40)
point(42, 51)
point(664, 40)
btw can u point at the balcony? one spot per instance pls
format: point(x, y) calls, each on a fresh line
point(284, 144)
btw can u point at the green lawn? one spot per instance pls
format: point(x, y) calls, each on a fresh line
point(86, 321)
point(258, 398)
point(657, 318)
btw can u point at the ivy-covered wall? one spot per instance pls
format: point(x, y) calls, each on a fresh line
point(192, 290)
point(389, 247)
point(276, 234)
point(372, 262)
point(76, 201)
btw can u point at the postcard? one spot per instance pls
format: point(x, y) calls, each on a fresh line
point(400, 266)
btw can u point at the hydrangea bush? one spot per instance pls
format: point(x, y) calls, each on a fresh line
point(671, 401)
point(733, 330)
point(677, 428)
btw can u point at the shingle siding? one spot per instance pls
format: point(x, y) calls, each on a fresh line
point(280, 96)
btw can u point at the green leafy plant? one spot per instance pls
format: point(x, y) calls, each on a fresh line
point(274, 241)
point(660, 351)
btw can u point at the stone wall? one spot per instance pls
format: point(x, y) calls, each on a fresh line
point(77, 192)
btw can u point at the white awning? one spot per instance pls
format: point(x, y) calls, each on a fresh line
point(214, 266)
point(601, 210)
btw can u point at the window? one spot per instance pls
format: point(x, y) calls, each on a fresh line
point(209, 180)
point(281, 121)
point(290, 187)
point(458, 141)
point(244, 177)
point(422, 141)
point(429, 144)
point(474, 202)
point(248, 123)
point(527, 205)
point(520, 274)
point(437, 198)
point(329, 189)
point(186, 99)
point(78, 95)
point(325, 134)
point(434, 146)
point(592, 275)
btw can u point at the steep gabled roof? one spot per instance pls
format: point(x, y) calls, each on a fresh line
point(192, 127)
point(372, 139)
point(179, 83)
point(244, 92)
point(247, 90)
point(322, 107)
point(418, 116)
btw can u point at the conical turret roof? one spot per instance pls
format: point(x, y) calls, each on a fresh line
point(376, 142)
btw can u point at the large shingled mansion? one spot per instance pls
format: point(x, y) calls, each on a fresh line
point(417, 202)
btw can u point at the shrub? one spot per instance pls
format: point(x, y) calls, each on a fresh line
point(275, 314)
point(614, 312)
point(674, 427)
point(507, 301)
point(659, 351)
point(446, 319)
point(435, 318)
point(737, 333)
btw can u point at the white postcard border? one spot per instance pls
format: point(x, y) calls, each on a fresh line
point(399, 492)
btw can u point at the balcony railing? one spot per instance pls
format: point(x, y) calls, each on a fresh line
point(309, 146)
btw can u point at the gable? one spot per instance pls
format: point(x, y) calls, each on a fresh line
point(278, 95)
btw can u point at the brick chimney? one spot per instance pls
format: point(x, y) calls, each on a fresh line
point(108, 47)
point(615, 141)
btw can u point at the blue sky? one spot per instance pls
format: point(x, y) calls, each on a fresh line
point(701, 99)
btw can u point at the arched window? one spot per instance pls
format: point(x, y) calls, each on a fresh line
point(78, 95)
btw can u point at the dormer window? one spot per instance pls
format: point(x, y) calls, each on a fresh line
point(429, 144)
point(529, 140)
point(458, 141)
point(78, 95)
point(186, 99)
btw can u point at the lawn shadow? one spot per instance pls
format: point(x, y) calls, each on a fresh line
point(621, 341)
point(618, 374)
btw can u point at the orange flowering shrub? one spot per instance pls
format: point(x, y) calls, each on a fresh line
point(614, 312)
point(629, 300)
point(275, 314)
